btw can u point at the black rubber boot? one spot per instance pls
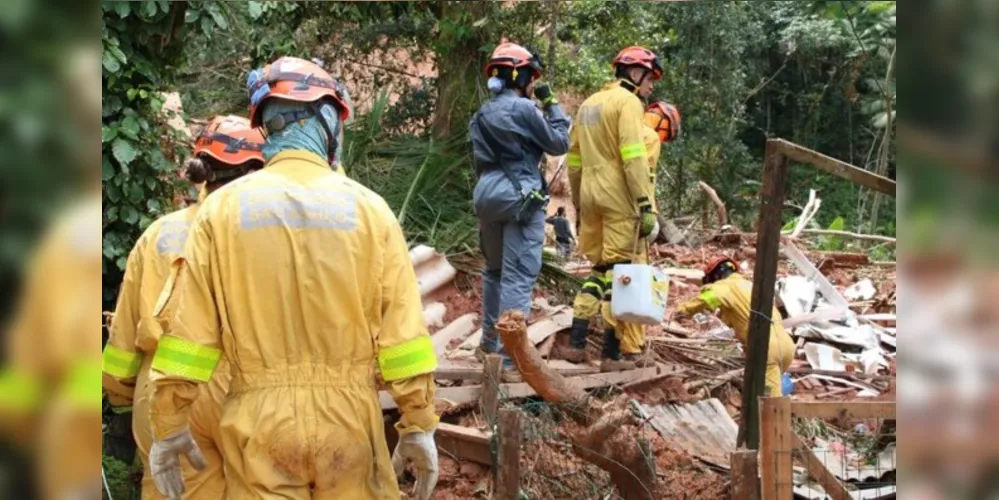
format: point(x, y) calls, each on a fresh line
point(578, 336)
point(612, 361)
point(580, 333)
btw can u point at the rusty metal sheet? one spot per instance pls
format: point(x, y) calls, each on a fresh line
point(703, 429)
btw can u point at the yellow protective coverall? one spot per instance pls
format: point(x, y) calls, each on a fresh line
point(732, 297)
point(128, 354)
point(302, 278)
point(609, 171)
point(49, 396)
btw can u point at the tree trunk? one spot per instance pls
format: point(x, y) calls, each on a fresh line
point(608, 441)
point(459, 67)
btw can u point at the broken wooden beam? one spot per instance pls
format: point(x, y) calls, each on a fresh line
point(848, 409)
point(474, 373)
point(832, 486)
point(464, 443)
point(836, 167)
point(492, 378)
point(458, 329)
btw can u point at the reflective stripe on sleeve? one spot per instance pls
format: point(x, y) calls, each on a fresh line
point(186, 359)
point(633, 151)
point(82, 385)
point(120, 363)
point(574, 160)
point(407, 360)
point(20, 392)
point(711, 299)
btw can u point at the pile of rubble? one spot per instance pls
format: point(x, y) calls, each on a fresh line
point(844, 321)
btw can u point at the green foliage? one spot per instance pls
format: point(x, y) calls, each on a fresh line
point(140, 151)
point(122, 479)
point(427, 183)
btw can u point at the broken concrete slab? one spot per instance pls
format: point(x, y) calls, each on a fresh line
point(458, 329)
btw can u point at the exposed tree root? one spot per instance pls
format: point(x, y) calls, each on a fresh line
point(609, 439)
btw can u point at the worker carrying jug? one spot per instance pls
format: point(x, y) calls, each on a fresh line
point(729, 293)
point(613, 193)
point(509, 136)
point(301, 278)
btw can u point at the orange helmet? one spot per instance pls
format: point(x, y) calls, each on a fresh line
point(514, 56)
point(664, 118)
point(639, 56)
point(294, 79)
point(719, 264)
point(230, 140)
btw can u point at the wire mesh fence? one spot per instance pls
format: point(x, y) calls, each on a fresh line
point(550, 465)
point(838, 458)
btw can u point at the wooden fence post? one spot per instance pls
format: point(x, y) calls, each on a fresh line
point(745, 475)
point(491, 380)
point(508, 477)
point(765, 276)
point(775, 454)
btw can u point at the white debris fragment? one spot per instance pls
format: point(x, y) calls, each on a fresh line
point(860, 291)
point(823, 357)
point(798, 294)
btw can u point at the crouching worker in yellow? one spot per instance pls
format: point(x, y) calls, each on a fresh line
point(301, 278)
point(227, 149)
point(731, 294)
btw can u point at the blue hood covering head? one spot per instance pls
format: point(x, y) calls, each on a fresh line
point(306, 134)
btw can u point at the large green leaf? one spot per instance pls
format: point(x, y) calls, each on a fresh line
point(219, 17)
point(107, 170)
point(838, 225)
point(122, 8)
point(879, 7)
point(256, 10)
point(123, 151)
point(110, 62)
point(130, 127)
point(129, 214)
point(149, 8)
point(192, 16)
point(108, 134)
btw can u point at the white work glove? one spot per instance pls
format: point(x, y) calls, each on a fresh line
point(164, 462)
point(420, 449)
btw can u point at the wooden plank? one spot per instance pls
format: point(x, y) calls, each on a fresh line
point(765, 276)
point(846, 375)
point(808, 270)
point(833, 487)
point(851, 409)
point(777, 444)
point(464, 443)
point(492, 379)
point(745, 475)
point(474, 373)
point(836, 167)
point(470, 394)
point(508, 473)
point(458, 329)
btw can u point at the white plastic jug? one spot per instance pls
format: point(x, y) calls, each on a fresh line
point(640, 293)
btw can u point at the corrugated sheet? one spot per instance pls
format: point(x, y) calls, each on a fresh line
point(704, 429)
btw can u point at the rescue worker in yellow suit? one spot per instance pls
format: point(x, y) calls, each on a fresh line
point(301, 278)
point(730, 293)
point(612, 193)
point(227, 149)
point(49, 397)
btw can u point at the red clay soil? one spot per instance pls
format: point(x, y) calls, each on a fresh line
point(681, 477)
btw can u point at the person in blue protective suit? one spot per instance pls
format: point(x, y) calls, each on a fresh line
point(509, 137)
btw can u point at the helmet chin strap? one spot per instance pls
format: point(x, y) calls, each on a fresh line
point(635, 87)
point(332, 139)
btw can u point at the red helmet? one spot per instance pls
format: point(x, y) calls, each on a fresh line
point(719, 264)
point(640, 56)
point(664, 118)
point(514, 56)
point(230, 140)
point(294, 79)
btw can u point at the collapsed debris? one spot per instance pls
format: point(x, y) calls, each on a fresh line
point(844, 322)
